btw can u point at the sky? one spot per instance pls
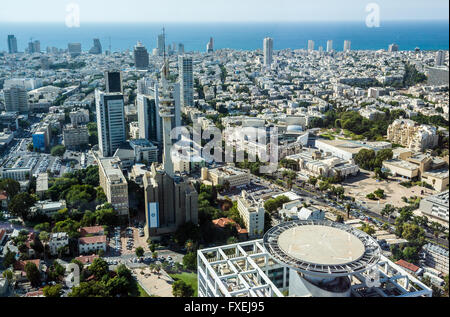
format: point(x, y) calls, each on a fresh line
point(220, 10)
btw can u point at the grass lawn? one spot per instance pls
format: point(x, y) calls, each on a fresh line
point(188, 278)
point(142, 292)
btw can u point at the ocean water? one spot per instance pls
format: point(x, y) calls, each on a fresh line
point(428, 35)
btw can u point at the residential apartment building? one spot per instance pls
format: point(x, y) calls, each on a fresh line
point(409, 134)
point(435, 257)
point(90, 245)
point(252, 213)
point(58, 240)
point(75, 137)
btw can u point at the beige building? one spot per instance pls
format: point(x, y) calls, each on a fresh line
point(252, 213)
point(426, 168)
point(114, 184)
point(219, 176)
point(412, 135)
point(170, 201)
point(41, 184)
point(74, 137)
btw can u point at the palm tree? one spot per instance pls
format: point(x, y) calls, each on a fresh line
point(44, 237)
point(189, 245)
point(348, 208)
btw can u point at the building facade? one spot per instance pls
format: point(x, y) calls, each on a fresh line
point(110, 121)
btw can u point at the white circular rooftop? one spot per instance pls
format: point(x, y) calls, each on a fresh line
point(321, 245)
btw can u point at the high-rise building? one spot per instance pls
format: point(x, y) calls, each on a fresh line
point(186, 81)
point(310, 45)
point(268, 51)
point(180, 48)
point(16, 99)
point(140, 56)
point(161, 45)
point(12, 44)
point(170, 199)
point(149, 121)
point(113, 81)
point(210, 46)
point(110, 121)
point(97, 48)
point(393, 48)
point(74, 49)
point(329, 45)
point(440, 58)
point(347, 45)
point(34, 47)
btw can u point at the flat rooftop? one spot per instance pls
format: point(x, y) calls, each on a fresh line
point(321, 245)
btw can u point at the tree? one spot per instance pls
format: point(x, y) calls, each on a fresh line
point(33, 274)
point(190, 261)
point(11, 187)
point(52, 291)
point(365, 159)
point(58, 150)
point(181, 289)
point(367, 229)
point(139, 252)
point(313, 181)
point(9, 258)
point(20, 205)
point(99, 268)
point(379, 193)
point(155, 255)
point(348, 208)
point(387, 210)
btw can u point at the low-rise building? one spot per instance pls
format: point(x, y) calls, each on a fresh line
point(114, 184)
point(48, 207)
point(436, 206)
point(91, 231)
point(235, 177)
point(57, 241)
point(90, 245)
point(435, 257)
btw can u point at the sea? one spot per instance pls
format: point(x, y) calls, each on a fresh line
point(427, 35)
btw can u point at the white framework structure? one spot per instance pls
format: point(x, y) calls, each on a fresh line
point(236, 270)
point(260, 268)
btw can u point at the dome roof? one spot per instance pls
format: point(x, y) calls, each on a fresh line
point(294, 128)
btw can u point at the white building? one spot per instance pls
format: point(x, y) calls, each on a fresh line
point(252, 213)
point(16, 99)
point(347, 45)
point(90, 245)
point(329, 46)
point(58, 240)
